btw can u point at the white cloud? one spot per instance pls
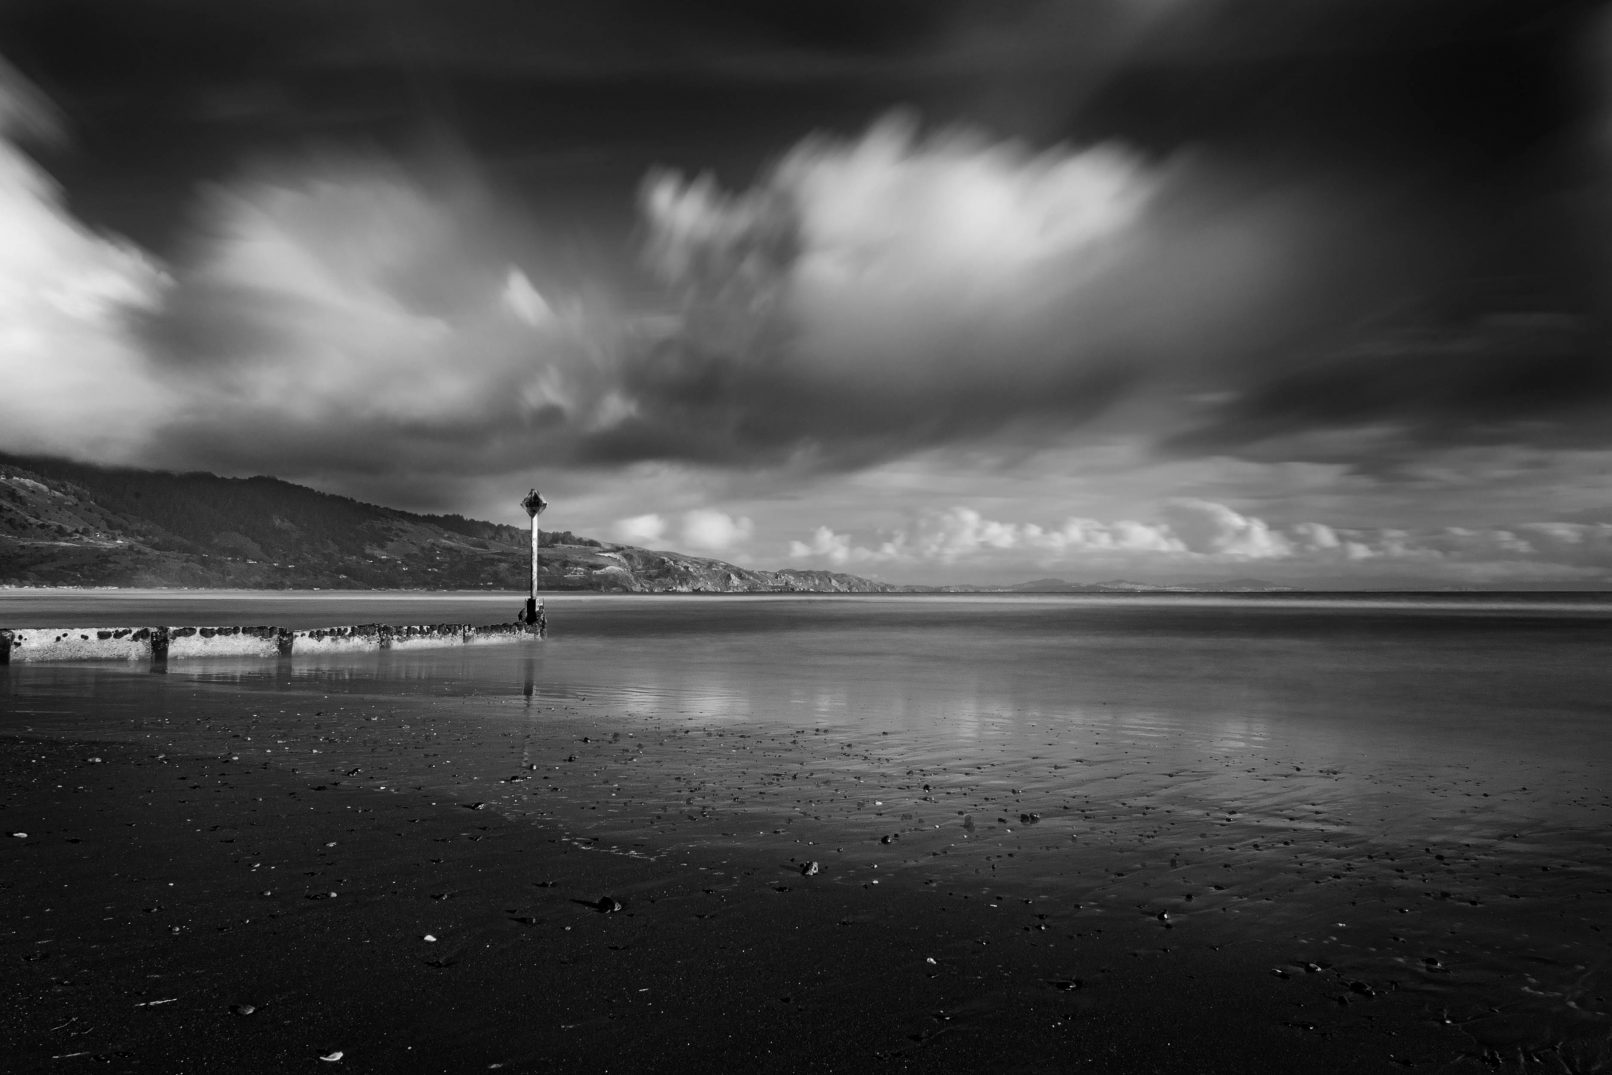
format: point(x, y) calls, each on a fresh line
point(709, 530)
point(343, 317)
point(74, 379)
point(955, 216)
point(960, 532)
point(840, 550)
point(350, 290)
point(335, 319)
point(1198, 535)
point(891, 245)
point(956, 532)
point(639, 529)
point(913, 289)
point(962, 535)
point(1214, 529)
point(825, 545)
point(1315, 536)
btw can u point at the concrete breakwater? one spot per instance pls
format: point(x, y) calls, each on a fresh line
point(30, 644)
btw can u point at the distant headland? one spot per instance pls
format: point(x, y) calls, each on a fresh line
point(76, 524)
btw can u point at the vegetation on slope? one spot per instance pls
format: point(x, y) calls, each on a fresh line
point(64, 523)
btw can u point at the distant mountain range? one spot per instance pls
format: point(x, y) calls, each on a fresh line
point(75, 524)
point(1126, 586)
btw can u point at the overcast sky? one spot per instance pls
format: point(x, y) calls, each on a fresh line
point(925, 291)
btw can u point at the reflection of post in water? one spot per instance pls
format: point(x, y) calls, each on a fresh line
point(531, 675)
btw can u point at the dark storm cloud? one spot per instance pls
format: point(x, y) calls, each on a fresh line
point(565, 105)
point(1380, 79)
point(1523, 377)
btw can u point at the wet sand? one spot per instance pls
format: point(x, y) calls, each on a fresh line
point(156, 894)
point(153, 898)
point(1121, 889)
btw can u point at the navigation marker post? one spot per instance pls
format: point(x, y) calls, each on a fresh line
point(533, 615)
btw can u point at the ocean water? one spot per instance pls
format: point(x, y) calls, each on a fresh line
point(1412, 792)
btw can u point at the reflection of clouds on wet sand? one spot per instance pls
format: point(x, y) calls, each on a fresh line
point(1237, 733)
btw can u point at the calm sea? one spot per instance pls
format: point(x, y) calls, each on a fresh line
point(1515, 689)
point(1404, 782)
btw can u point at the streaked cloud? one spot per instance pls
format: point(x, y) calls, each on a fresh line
point(524, 300)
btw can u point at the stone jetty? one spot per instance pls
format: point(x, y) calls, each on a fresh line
point(30, 644)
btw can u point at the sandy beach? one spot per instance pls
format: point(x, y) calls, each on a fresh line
point(597, 857)
point(196, 913)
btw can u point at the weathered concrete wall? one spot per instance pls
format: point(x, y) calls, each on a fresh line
point(30, 644)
